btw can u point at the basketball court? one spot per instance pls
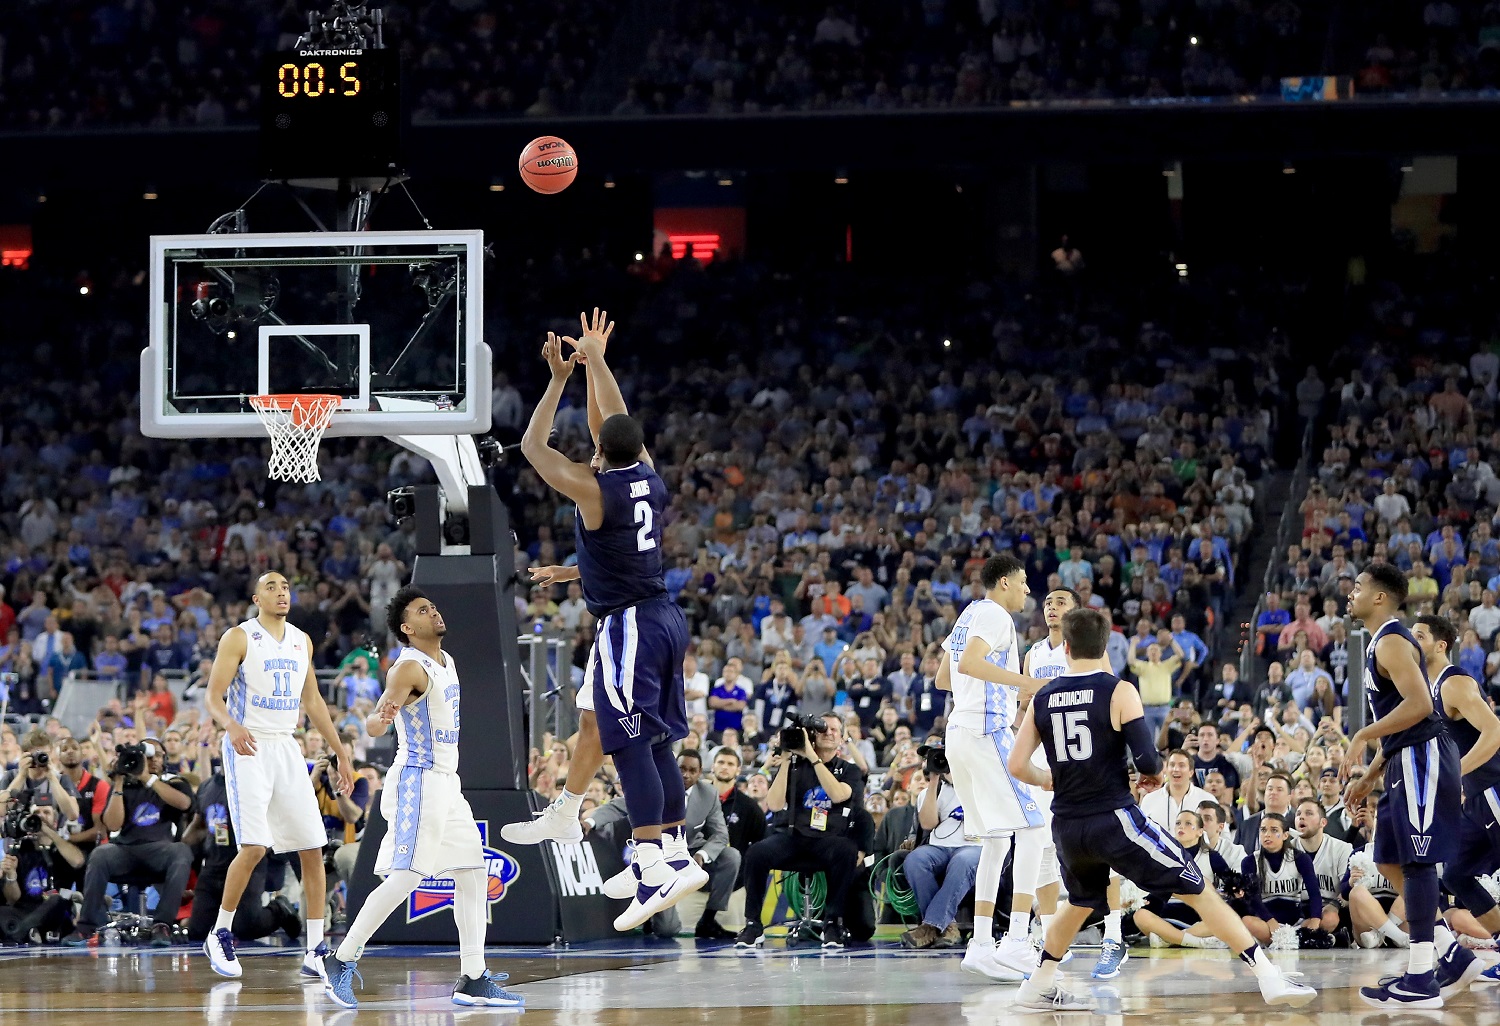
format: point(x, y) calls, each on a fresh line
point(666, 982)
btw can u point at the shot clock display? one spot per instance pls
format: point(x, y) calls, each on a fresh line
point(331, 113)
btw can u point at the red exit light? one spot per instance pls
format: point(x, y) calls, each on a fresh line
point(15, 245)
point(703, 246)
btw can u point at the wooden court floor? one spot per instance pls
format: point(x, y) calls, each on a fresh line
point(662, 983)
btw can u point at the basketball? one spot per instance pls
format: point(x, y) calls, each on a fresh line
point(548, 164)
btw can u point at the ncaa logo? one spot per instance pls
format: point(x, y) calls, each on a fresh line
point(436, 893)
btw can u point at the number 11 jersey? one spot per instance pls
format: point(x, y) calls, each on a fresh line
point(619, 563)
point(266, 693)
point(1086, 753)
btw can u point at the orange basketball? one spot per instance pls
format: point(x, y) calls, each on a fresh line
point(548, 164)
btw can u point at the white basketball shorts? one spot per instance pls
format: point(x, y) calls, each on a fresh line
point(271, 799)
point(430, 828)
point(994, 802)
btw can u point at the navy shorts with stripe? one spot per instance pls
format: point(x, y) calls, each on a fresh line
point(1127, 843)
point(1479, 836)
point(1421, 806)
point(635, 671)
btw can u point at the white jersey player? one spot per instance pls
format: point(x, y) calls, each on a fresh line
point(261, 685)
point(430, 829)
point(981, 668)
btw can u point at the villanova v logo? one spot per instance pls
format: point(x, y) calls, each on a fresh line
point(631, 725)
point(1420, 843)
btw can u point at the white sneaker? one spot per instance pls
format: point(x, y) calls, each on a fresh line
point(313, 969)
point(1278, 990)
point(1159, 942)
point(219, 947)
point(1215, 944)
point(622, 885)
point(980, 960)
point(644, 906)
point(552, 824)
point(1371, 939)
point(1015, 953)
point(693, 876)
point(1055, 999)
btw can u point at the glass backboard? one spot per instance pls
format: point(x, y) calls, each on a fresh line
point(391, 322)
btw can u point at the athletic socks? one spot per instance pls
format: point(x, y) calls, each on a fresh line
point(651, 867)
point(570, 802)
point(1045, 976)
point(1020, 925)
point(225, 920)
point(1112, 926)
point(1391, 931)
point(984, 929)
point(1443, 940)
point(1420, 959)
point(314, 934)
point(1260, 963)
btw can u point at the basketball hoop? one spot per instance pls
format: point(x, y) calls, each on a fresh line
point(296, 424)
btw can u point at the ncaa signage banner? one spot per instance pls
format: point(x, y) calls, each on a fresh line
point(536, 893)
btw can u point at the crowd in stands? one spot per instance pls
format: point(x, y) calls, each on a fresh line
point(731, 55)
point(171, 64)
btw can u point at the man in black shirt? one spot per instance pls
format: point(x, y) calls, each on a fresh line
point(147, 810)
point(820, 793)
point(211, 834)
point(1208, 758)
point(31, 910)
point(742, 816)
point(93, 796)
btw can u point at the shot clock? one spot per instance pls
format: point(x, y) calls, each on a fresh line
point(331, 113)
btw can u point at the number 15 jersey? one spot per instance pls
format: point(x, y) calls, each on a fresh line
point(1086, 753)
point(266, 693)
point(619, 563)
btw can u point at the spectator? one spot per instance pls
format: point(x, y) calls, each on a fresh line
point(729, 698)
point(211, 834)
point(1178, 793)
point(1154, 676)
point(743, 818)
point(38, 780)
point(32, 911)
point(941, 871)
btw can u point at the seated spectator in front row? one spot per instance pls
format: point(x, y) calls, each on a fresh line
point(942, 871)
point(147, 809)
point(1171, 923)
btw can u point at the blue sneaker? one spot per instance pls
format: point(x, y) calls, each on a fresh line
point(1489, 978)
point(341, 977)
point(1420, 991)
point(1456, 970)
point(486, 991)
point(1112, 956)
point(219, 947)
point(313, 969)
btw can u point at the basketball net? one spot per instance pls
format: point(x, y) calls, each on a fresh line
point(296, 424)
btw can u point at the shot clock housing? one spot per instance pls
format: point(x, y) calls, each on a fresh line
point(332, 112)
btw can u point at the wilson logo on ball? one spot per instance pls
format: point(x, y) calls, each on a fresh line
point(548, 164)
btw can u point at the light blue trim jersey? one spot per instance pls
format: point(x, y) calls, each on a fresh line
point(980, 705)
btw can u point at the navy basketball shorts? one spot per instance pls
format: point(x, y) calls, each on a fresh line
point(1421, 806)
point(1125, 841)
point(1479, 835)
point(635, 675)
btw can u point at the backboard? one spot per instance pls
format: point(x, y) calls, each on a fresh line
point(392, 322)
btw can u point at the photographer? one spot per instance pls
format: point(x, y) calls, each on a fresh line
point(39, 781)
point(820, 793)
point(343, 816)
point(35, 855)
point(946, 854)
point(147, 810)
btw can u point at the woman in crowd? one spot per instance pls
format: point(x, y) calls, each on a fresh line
point(1276, 876)
point(1171, 923)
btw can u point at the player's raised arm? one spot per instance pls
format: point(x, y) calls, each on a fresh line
point(575, 480)
point(232, 649)
point(1461, 695)
point(596, 416)
point(604, 389)
point(1026, 743)
point(401, 684)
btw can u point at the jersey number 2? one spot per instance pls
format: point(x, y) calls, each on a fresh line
point(643, 540)
point(281, 685)
point(1071, 736)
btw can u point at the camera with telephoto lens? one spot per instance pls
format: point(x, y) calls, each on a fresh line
point(130, 760)
point(937, 759)
point(796, 735)
point(22, 824)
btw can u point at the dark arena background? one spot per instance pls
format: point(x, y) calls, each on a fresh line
point(1188, 305)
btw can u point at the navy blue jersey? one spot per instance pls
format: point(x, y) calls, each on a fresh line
point(1466, 736)
point(1086, 753)
point(1384, 697)
point(619, 565)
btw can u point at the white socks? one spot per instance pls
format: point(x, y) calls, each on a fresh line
point(1391, 931)
point(1020, 925)
point(1420, 959)
point(469, 887)
point(1261, 964)
point(570, 802)
point(225, 920)
point(674, 847)
point(1442, 939)
point(378, 906)
point(984, 929)
point(650, 863)
point(314, 933)
point(1112, 926)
